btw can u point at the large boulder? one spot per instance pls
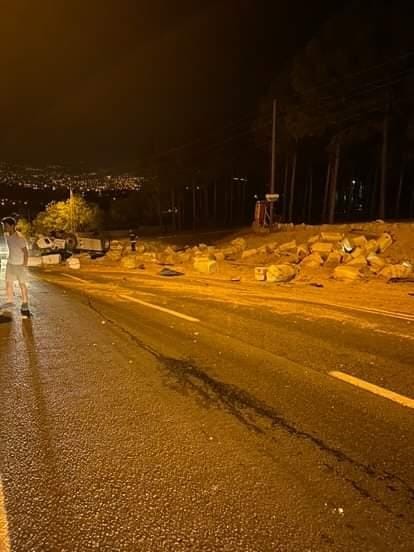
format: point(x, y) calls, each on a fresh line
point(360, 241)
point(314, 260)
point(129, 262)
point(323, 248)
point(376, 263)
point(239, 244)
point(347, 273)
point(314, 239)
point(281, 273)
point(247, 253)
point(334, 259)
point(230, 253)
point(206, 265)
point(288, 247)
point(332, 236)
point(116, 245)
point(260, 273)
point(113, 255)
point(396, 271)
point(371, 246)
point(359, 261)
point(264, 250)
point(384, 242)
point(302, 251)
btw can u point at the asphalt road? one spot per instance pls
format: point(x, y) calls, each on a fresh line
point(140, 415)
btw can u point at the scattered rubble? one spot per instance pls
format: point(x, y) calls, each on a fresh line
point(73, 263)
point(347, 252)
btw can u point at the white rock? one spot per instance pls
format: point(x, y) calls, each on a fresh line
point(384, 242)
point(249, 253)
point(280, 273)
point(205, 265)
point(323, 248)
point(347, 273)
point(312, 261)
point(289, 246)
point(331, 236)
point(73, 263)
point(260, 273)
point(397, 271)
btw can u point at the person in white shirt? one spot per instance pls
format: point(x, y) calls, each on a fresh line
point(16, 264)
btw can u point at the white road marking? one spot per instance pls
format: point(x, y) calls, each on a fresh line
point(381, 312)
point(376, 389)
point(144, 303)
point(75, 278)
point(157, 307)
point(4, 530)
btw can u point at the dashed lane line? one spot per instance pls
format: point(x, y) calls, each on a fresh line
point(157, 307)
point(144, 303)
point(4, 530)
point(76, 278)
point(376, 389)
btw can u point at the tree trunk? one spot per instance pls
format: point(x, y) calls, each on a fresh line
point(326, 191)
point(243, 200)
point(215, 201)
point(159, 205)
point(310, 196)
point(350, 198)
point(334, 184)
point(292, 185)
point(384, 162)
point(206, 204)
point(173, 213)
point(231, 201)
point(285, 189)
point(411, 209)
point(374, 189)
point(399, 190)
point(194, 205)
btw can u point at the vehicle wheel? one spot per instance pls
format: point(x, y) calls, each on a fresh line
point(71, 242)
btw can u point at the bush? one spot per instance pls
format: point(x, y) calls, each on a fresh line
point(75, 213)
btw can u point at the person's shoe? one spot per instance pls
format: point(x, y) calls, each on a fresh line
point(24, 311)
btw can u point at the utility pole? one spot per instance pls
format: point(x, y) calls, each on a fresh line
point(71, 208)
point(384, 163)
point(273, 172)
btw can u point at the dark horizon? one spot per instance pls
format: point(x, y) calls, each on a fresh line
point(112, 84)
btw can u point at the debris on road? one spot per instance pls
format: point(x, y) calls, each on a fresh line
point(280, 273)
point(170, 273)
point(205, 264)
point(73, 263)
point(346, 272)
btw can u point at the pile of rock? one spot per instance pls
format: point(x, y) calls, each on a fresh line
point(346, 255)
point(350, 257)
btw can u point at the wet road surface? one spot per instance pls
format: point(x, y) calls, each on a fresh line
point(129, 427)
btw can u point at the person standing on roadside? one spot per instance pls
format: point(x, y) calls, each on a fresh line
point(133, 240)
point(16, 265)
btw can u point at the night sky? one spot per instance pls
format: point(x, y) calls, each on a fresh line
point(109, 82)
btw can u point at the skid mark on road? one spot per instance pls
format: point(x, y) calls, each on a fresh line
point(188, 379)
point(4, 530)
